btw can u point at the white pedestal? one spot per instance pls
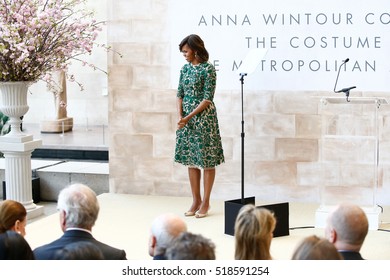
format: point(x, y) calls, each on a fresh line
point(17, 156)
point(36, 212)
point(372, 213)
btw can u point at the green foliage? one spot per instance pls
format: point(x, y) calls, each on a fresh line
point(4, 126)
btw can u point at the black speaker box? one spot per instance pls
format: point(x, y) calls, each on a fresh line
point(281, 213)
point(232, 207)
point(36, 190)
point(280, 210)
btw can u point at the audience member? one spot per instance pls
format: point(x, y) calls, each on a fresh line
point(13, 216)
point(82, 250)
point(253, 232)
point(165, 228)
point(78, 208)
point(13, 246)
point(189, 246)
point(347, 227)
point(316, 248)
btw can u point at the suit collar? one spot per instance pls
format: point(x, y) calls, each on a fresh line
point(77, 233)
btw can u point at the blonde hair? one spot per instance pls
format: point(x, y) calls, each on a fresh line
point(253, 233)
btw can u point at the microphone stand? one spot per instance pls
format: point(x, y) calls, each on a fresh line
point(345, 90)
point(242, 136)
point(347, 96)
point(232, 207)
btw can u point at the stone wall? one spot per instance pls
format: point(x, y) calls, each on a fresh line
point(283, 130)
point(87, 107)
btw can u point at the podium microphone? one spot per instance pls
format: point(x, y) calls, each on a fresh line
point(345, 90)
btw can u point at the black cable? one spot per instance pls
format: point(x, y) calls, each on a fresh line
point(304, 227)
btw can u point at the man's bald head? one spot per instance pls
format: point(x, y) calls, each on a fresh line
point(347, 227)
point(165, 228)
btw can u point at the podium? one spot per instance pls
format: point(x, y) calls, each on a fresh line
point(349, 155)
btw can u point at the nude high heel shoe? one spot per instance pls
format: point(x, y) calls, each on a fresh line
point(190, 213)
point(200, 215)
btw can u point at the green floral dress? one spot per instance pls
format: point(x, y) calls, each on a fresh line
point(198, 144)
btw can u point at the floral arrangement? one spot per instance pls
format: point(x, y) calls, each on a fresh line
point(39, 37)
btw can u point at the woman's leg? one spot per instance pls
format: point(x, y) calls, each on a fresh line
point(208, 181)
point(194, 175)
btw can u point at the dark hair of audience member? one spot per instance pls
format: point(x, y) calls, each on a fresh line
point(13, 246)
point(82, 250)
point(190, 246)
point(316, 248)
point(11, 212)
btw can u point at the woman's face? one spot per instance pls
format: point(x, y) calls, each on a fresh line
point(189, 54)
point(20, 227)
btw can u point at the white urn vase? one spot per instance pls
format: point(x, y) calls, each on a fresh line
point(14, 105)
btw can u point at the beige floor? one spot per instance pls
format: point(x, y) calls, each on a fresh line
point(124, 222)
point(86, 137)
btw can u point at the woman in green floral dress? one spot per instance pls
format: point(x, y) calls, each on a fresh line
point(198, 141)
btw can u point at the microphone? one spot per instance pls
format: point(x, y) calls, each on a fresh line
point(345, 89)
point(338, 73)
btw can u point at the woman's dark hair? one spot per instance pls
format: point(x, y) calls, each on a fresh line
point(316, 248)
point(191, 246)
point(13, 246)
point(10, 212)
point(196, 44)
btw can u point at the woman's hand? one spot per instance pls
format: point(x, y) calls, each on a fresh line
point(182, 122)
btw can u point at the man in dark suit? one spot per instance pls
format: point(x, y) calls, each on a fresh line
point(347, 227)
point(79, 209)
point(165, 228)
